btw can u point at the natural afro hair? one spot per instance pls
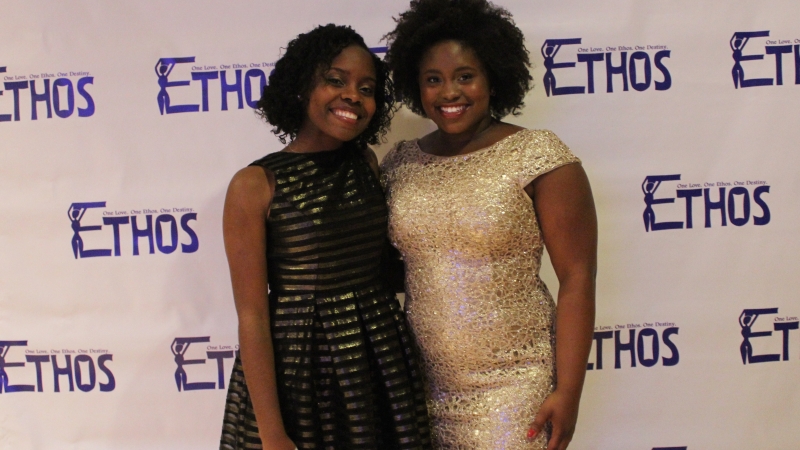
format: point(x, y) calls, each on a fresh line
point(487, 29)
point(284, 101)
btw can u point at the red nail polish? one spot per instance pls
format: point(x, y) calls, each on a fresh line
point(531, 433)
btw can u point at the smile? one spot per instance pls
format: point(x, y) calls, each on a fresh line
point(452, 111)
point(346, 115)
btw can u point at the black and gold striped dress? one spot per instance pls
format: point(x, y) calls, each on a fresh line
point(346, 369)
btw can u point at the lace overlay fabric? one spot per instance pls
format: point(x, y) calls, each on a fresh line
point(480, 314)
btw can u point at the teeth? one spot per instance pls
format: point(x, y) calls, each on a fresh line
point(345, 114)
point(453, 109)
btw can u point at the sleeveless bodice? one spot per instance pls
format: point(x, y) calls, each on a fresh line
point(327, 224)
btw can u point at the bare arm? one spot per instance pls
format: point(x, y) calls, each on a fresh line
point(244, 227)
point(565, 208)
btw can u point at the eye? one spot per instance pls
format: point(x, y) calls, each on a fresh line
point(466, 77)
point(367, 90)
point(334, 81)
point(432, 79)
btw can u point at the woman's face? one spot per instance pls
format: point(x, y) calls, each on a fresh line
point(454, 87)
point(342, 100)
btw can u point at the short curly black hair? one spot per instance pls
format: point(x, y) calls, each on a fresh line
point(284, 101)
point(487, 29)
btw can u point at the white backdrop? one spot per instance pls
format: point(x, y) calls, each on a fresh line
point(103, 329)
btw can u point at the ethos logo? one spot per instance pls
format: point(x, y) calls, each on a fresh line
point(648, 343)
point(85, 369)
point(733, 199)
point(46, 93)
point(629, 66)
point(776, 47)
point(783, 324)
point(180, 350)
point(161, 233)
point(243, 81)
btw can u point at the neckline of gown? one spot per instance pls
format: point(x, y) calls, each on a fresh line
point(474, 152)
point(326, 158)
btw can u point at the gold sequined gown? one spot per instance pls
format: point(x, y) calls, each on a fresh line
point(481, 316)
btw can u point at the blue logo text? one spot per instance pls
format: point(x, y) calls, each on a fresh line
point(731, 199)
point(161, 233)
point(56, 92)
point(635, 71)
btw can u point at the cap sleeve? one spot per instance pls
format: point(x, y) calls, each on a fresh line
point(541, 153)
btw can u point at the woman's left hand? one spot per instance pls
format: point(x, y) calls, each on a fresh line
point(561, 411)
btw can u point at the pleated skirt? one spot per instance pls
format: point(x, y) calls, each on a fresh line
point(347, 375)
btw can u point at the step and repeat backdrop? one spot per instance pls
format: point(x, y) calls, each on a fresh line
point(122, 122)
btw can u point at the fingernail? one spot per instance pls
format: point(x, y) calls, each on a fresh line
point(531, 433)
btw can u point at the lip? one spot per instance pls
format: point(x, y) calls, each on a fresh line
point(347, 115)
point(452, 111)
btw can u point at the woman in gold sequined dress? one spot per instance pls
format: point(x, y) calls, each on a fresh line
point(471, 206)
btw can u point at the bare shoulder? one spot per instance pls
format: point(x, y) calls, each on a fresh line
point(252, 179)
point(370, 155)
point(251, 187)
point(372, 159)
point(503, 130)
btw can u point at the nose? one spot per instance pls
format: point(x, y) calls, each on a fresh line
point(351, 94)
point(450, 91)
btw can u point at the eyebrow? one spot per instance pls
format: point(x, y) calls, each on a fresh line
point(457, 69)
point(346, 72)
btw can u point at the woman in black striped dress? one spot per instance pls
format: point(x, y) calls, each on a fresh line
point(326, 359)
